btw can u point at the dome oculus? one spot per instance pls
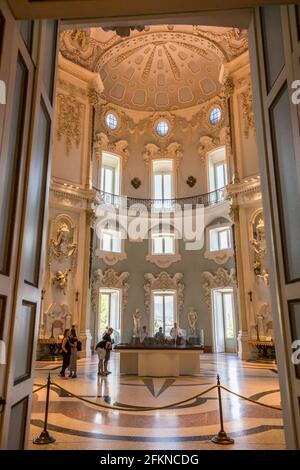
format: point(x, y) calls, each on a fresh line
point(111, 121)
point(215, 115)
point(162, 128)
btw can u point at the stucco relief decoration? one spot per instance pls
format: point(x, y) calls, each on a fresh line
point(234, 41)
point(221, 278)
point(110, 279)
point(63, 241)
point(173, 151)
point(69, 120)
point(208, 143)
point(164, 281)
point(129, 121)
point(263, 328)
point(246, 101)
point(60, 280)
point(78, 46)
point(258, 245)
point(159, 67)
point(119, 147)
point(55, 320)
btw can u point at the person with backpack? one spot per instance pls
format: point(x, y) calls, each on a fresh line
point(74, 347)
point(103, 349)
point(66, 352)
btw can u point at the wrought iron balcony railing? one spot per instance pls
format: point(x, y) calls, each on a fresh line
point(165, 205)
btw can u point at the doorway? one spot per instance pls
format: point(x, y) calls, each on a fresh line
point(287, 370)
point(109, 313)
point(163, 311)
point(224, 324)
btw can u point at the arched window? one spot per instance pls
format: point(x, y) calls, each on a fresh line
point(110, 174)
point(163, 184)
point(217, 169)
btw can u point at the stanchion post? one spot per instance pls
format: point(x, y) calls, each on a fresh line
point(45, 437)
point(221, 437)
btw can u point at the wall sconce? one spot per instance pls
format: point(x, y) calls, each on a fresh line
point(191, 181)
point(136, 182)
point(43, 294)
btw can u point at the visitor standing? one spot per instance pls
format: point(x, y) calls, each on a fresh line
point(73, 359)
point(66, 352)
point(103, 349)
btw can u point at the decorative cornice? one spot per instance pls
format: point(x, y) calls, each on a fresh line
point(251, 184)
point(153, 152)
point(163, 261)
point(68, 196)
point(208, 143)
point(110, 258)
point(221, 278)
point(119, 147)
point(89, 84)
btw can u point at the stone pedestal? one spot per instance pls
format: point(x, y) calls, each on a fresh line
point(244, 349)
point(86, 339)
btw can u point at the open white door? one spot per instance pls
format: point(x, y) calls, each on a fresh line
point(275, 54)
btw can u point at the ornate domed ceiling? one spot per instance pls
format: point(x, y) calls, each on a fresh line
point(159, 68)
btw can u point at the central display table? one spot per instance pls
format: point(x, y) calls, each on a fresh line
point(159, 361)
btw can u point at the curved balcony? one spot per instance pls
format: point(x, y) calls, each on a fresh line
point(162, 205)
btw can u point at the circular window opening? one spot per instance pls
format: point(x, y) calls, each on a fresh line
point(111, 121)
point(162, 128)
point(215, 115)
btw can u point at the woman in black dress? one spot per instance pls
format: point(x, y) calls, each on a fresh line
point(66, 352)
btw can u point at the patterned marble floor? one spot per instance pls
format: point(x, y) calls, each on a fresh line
point(79, 425)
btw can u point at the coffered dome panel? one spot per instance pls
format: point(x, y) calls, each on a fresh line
point(160, 68)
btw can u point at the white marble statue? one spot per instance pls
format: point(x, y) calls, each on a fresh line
point(192, 320)
point(137, 323)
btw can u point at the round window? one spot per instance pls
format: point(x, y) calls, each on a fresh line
point(162, 128)
point(215, 115)
point(111, 121)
